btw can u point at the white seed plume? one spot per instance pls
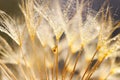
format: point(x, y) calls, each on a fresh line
point(59, 41)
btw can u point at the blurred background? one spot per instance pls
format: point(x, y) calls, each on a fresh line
point(12, 7)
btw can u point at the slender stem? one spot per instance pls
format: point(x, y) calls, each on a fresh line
point(7, 71)
point(52, 72)
point(57, 61)
point(57, 66)
point(55, 51)
point(45, 68)
point(89, 64)
point(72, 73)
point(95, 67)
point(91, 72)
point(64, 68)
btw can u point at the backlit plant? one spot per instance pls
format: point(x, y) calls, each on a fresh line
point(60, 40)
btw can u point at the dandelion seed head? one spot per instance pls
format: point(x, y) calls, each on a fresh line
point(59, 40)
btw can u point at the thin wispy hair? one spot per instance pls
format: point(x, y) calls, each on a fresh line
point(60, 41)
